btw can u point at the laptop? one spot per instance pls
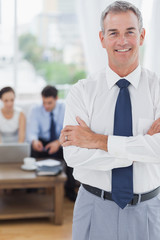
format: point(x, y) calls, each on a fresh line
point(14, 152)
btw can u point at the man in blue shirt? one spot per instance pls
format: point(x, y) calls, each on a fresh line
point(44, 126)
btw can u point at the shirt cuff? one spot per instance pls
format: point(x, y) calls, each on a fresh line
point(117, 146)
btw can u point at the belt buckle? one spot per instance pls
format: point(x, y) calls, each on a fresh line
point(102, 195)
point(136, 199)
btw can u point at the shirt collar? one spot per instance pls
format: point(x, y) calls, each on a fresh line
point(113, 77)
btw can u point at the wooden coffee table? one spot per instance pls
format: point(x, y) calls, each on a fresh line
point(20, 204)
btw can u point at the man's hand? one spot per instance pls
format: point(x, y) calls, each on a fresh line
point(82, 136)
point(155, 128)
point(53, 147)
point(37, 145)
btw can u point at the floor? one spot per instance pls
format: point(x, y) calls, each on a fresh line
point(38, 229)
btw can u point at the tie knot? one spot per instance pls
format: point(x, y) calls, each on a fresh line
point(51, 114)
point(123, 83)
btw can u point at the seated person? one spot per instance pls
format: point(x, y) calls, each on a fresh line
point(45, 123)
point(12, 119)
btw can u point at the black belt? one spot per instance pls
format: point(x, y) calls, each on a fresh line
point(136, 199)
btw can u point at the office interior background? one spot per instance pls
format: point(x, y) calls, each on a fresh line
point(57, 42)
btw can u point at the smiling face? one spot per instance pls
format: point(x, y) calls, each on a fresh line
point(122, 39)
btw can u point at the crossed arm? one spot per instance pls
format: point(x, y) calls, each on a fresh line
point(82, 136)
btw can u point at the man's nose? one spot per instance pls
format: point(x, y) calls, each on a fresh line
point(122, 40)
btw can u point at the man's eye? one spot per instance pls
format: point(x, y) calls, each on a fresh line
point(130, 32)
point(113, 33)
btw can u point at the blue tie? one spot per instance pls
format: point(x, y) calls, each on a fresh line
point(52, 128)
point(122, 178)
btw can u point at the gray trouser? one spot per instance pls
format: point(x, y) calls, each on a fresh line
point(98, 219)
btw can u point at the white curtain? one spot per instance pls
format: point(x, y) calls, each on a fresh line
point(89, 12)
point(152, 42)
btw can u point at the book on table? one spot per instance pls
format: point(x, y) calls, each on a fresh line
point(48, 167)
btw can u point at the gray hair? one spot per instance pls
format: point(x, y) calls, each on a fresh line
point(121, 6)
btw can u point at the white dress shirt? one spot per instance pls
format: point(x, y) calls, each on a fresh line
point(93, 100)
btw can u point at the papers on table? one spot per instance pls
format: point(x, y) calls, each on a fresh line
point(48, 167)
point(48, 163)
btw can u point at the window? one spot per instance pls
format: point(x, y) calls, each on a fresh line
point(49, 48)
point(6, 43)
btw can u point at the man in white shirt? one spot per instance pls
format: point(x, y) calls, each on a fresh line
point(94, 149)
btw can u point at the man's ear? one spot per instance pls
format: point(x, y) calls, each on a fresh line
point(142, 36)
point(101, 37)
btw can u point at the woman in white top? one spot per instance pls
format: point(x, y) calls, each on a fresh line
point(12, 120)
